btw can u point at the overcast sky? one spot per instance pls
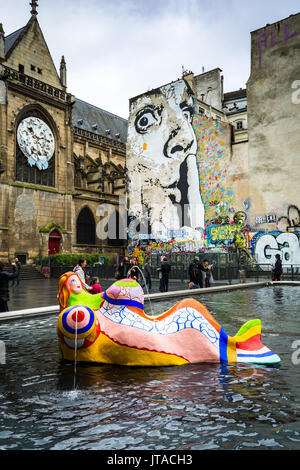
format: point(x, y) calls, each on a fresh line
point(117, 49)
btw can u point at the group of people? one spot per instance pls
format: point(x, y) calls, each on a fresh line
point(129, 268)
point(200, 274)
point(80, 270)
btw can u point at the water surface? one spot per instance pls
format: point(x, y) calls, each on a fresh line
point(202, 406)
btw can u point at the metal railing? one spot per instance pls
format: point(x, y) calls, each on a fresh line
point(226, 273)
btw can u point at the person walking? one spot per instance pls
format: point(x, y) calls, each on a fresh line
point(277, 269)
point(5, 277)
point(165, 273)
point(80, 270)
point(148, 274)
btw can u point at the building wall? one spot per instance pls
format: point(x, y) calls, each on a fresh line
point(172, 154)
point(29, 212)
point(273, 121)
point(32, 50)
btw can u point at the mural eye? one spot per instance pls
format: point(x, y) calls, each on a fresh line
point(145, 119)
point(188, 114)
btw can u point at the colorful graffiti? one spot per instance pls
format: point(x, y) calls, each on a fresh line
point(213, 138)
point(266, 245)
point(164, 248)
point(228, 234)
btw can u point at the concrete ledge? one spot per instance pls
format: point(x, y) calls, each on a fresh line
point(33, 312)
point(30, 312)
point(209, 290)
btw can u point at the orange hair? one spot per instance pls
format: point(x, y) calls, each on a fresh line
point(64, 291)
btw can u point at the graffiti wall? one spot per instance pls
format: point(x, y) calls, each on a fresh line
point(266, 245)
point(235, 233)
point(177, 162)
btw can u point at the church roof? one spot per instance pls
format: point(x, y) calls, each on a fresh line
point(11, 39)
point(93, 119)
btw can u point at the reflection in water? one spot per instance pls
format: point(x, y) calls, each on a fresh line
point(278, 294)
point(214, 406)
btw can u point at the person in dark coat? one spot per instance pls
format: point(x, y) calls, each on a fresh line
point(5, 277)
point(195, 274)
point(165, 272)
point(277, 269)
point(148, 274)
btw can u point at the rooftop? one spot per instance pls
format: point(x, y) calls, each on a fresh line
point(93, 119)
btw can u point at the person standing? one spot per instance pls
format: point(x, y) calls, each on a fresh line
point(5, 277)
point(133, 272)
point(125, 267)
point(207, 273)
point(96, 287)
point(195, 274)
point(165, 273)
point(277, 269)
point(80, 270)
point(18, 270)
point(148, 274)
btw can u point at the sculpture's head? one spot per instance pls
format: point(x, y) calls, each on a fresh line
point(68, 283)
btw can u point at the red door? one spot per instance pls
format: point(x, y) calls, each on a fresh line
point(54, 242)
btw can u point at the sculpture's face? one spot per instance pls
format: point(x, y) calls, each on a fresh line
point(74, 284)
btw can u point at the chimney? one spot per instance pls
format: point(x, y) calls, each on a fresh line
point(63, 72)
point(188, 77)
point(2, 43)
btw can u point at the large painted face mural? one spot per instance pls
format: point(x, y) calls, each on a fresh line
point(162, 168)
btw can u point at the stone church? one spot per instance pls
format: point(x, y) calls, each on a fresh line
point(62, 160)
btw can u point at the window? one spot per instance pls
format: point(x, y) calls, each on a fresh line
point(32, 67)
point(21, 68)
point(39, 71)
point(85, 227)
point(239, 125)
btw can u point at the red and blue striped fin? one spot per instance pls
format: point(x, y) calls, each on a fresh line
point(249, 347)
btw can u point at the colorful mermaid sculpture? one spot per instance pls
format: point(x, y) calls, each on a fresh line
point(112, 328)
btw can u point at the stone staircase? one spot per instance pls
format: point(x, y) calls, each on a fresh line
point(28, 272)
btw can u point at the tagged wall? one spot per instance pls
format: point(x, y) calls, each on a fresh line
point(273, 119)
point(266, 245)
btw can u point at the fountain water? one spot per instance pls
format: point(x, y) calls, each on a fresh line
point(144, 284)
point(75, 351)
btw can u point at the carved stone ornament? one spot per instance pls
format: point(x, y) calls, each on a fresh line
point(36, 141)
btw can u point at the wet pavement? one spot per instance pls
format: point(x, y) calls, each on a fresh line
point(42, 293)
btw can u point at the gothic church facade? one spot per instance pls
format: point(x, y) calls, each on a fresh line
point(60, 157)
